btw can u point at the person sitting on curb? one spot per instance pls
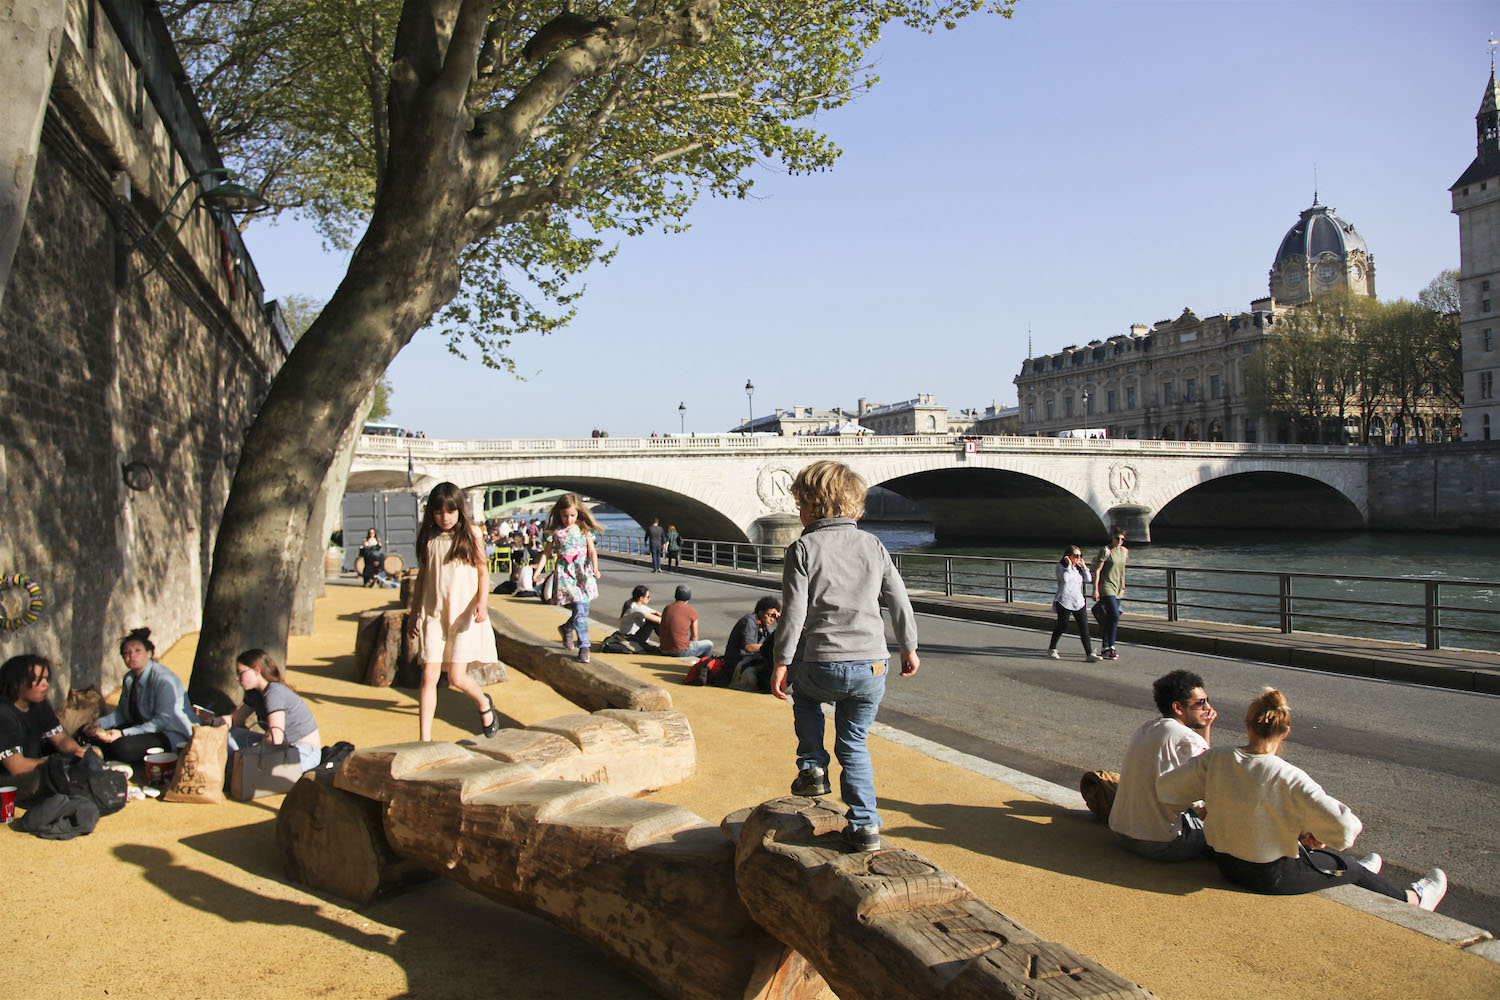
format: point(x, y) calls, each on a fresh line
point(679, 628)
point(154, 712)
point(1142, 823)
point(26, 720)
point(1272, 828)
point(747, 653)
point(638, 622)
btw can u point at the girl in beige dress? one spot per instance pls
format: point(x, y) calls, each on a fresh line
point(449, 613)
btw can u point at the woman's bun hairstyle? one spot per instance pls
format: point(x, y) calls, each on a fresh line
point(140, 635)
point(1268, 715)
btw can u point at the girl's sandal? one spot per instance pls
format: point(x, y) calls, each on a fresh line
point(494, 724)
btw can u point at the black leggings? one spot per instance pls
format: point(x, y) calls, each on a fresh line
point(132, 749)
point(1062, 625)
point(1308, 872)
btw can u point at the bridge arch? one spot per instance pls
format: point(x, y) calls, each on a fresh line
point(984, 503)
point(1265, 499)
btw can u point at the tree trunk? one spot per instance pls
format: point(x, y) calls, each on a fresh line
point(403, 271)
point(326, 513)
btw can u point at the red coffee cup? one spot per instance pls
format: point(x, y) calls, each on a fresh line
point(7, 803)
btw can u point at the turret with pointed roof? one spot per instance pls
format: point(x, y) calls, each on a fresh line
point(1487, 126)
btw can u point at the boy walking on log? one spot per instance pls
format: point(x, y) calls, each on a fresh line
point(833, 583)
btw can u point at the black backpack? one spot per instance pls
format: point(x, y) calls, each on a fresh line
point(85, 777)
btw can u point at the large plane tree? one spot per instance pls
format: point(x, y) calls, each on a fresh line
point(477, 156)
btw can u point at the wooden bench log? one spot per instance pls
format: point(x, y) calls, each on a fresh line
point(631, 752)
point(649, 884)
point(889, 924)
point(591, 686)
point(334, 841)
point(383, 654)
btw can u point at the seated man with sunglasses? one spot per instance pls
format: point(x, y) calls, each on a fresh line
point(1142, 823)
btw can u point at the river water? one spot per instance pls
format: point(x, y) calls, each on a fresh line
point(1467, 569)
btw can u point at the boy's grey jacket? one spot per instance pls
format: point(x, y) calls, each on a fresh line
point(833, 584)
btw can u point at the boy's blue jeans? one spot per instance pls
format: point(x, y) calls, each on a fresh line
point(1111, 621)
point(855, 690)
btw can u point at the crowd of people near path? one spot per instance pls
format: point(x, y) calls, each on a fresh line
point(1266, 824)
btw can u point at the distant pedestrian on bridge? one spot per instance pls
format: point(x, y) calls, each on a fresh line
point(656, 542)
point(831, 643)
point(1109, 589)
point(674, 547)
point(577, 564)
point(1072, 577)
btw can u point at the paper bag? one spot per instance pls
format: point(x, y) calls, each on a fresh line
point(264, 769)
point(200, 767)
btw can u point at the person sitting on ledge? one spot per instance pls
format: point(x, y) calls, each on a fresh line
point(638, 622)
point(283, 715)
point(679, 628)
point(1142, 823)
point(26, 721)
point(1273, 829)
point(748, 651)
point(154, 712)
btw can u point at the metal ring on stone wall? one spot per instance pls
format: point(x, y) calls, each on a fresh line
point(33, 606)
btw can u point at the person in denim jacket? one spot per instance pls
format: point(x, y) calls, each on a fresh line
point(154, 711)
point(834, 582)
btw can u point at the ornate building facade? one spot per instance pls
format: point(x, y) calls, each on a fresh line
point(1476, 202)
point(1184, 378)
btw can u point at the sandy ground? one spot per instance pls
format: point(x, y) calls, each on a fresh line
point(181, 900)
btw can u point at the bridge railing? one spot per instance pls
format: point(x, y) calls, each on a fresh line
point(385, 445)
point(1433, 613)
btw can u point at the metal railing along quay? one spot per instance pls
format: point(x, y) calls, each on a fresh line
point(1434, 613)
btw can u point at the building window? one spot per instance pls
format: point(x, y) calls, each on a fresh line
point(1192, 390)
point(1111, 400)
point(1130, 368)
point(1484, 306)
point(1486, 385)
point(1068, 406)
point(1030, 413)
point(1130, 397)
point(1088, 403)
point(1485, 427)
point(1216, 387)
point(1250, 430)
point(1051, 409)
point(1168, 393)
point(1484, 285)
point(1487, 340)
point(1247, 348)
point(1188, 338)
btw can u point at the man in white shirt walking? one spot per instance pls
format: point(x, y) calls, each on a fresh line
point(1142, 823)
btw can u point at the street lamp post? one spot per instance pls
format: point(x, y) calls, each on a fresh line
point(682, 417)
point(750, 391)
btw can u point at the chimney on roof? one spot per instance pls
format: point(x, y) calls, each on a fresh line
point(862, 405)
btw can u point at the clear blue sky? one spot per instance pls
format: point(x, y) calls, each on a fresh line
point(1078, 168)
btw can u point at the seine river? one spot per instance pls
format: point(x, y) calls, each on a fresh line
point(1331, 562)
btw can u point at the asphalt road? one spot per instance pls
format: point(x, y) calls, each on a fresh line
point(1420, 766)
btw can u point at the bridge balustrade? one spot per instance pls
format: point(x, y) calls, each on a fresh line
point(1286, 602)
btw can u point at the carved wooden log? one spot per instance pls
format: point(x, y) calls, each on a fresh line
point(649, 884)
point(379, 647)
point(334, 841)
point(631, 752)
point(591, 686)
point(890, 925)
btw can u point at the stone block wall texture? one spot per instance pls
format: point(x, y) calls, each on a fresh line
point(167, 371)
point(1454, 487)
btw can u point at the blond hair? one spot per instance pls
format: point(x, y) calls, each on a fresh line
point(830, 489)
point(1268, 715)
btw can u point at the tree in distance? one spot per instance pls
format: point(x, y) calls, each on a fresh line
point(478, 156)
point(1341, 358)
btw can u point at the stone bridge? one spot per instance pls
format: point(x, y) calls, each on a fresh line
point(1007, 488)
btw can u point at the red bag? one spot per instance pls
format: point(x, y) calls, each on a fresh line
point(708, 670)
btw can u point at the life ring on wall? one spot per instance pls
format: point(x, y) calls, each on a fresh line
point(34, 602)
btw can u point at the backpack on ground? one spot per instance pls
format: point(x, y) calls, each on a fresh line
point(1098, 789)
point(85, 777)
point(333, 755)
point(708, 670)
point(59, 817)
point(618, 642)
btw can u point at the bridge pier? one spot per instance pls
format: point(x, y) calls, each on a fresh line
point(777, 529)
point(1133, 519)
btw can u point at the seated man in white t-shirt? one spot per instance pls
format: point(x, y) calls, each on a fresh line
point(1142, 823)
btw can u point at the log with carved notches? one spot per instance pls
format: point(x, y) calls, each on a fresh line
point(535, 819)
point(890, 925)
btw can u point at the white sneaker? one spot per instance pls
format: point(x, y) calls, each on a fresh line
point(1431, 888)
point(1052, 655)
point(1091, 658)
point(1372, 862)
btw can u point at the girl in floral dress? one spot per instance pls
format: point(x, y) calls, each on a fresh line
point(577, 567)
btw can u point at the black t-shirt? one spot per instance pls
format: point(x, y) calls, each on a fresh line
point(24, 732)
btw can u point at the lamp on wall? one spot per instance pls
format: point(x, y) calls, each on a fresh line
point(226, 195)
point(137, 476)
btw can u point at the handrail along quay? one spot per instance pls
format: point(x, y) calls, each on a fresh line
point(1437, 613)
